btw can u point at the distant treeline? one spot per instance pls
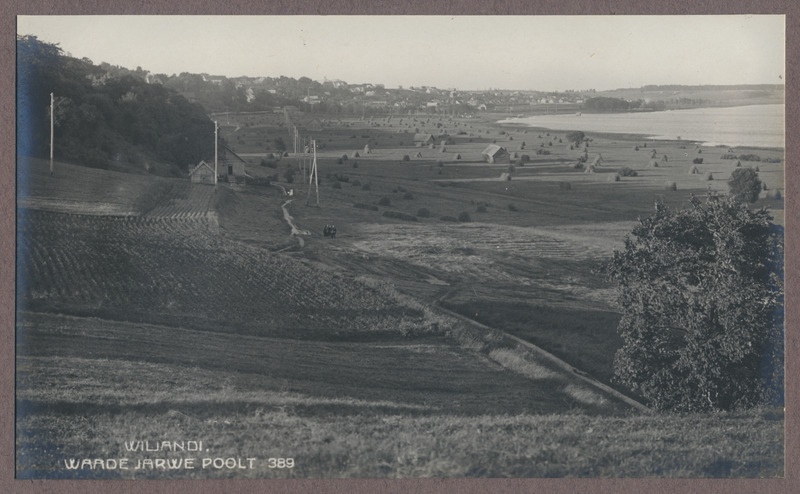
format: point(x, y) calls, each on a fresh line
point(101, 119)
point(607, 104)
point(750, 87)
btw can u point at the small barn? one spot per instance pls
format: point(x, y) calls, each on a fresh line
point(423, 139)
point(495, 154)
point(203, 173)
point(315, 125)
point(232, 167)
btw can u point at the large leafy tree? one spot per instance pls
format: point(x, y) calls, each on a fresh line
point(702, 298)
point(745, 184)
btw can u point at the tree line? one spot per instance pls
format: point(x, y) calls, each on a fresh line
point(99, 119)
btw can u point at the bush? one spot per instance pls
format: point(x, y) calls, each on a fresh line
point(697, 161)
point(749, 157)
point(400, 215)
point(575, 137)
point(627, 171)
point(423, 213)
point(512, 207)
point(614, 178)
point(565, 186)
point(702, 300)
point(406, 157)
point(744, 184)
point(384, 201)
point(464, 217)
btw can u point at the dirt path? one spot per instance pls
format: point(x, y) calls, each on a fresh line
point(296, 232)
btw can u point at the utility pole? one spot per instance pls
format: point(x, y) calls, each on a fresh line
point(52, 113)
point(216, 152)
point(313, 177)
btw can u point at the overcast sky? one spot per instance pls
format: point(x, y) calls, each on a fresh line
point(464, 52)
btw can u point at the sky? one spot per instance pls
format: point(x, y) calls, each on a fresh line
point(548, 53)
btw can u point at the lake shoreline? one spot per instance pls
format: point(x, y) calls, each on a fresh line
point(659, 127)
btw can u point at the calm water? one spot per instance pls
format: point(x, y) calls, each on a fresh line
point(756, 125)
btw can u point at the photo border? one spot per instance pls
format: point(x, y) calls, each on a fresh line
point(12, 8)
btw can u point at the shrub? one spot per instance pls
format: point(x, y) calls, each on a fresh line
point(543, 152)
point(464, 217)
point(697, 161)
point(406, 157)
point(709, 176)
point(512, 207)
point(627, 171)
point(565, 186)
point(614, 178)
point(671, 186)
point(423, 213)
point(702, 300)
point(400, 215)
point(744, 184)
point(355, 164)
point(749, 157)
point(384, 201)
point(575, 137)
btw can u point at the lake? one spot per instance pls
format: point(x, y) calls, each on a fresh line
point(754, 125)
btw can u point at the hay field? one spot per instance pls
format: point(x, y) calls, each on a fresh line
point(389, 351)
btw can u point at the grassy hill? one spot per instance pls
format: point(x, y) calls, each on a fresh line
point(152, 308)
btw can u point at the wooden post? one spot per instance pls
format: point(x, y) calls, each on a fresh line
point(216, 153)
point(52, 113)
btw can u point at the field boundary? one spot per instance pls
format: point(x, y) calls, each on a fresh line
point(588, 379)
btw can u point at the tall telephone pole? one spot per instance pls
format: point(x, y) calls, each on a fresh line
point(216, 151)
point(52, 113)
point(313, 177)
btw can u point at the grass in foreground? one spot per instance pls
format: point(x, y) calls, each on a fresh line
point(357, 438)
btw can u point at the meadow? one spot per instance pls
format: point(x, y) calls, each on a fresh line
point(411, 345)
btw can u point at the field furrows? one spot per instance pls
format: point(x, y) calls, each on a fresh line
point(188, 201)
point(438, 377)
point(143, 268)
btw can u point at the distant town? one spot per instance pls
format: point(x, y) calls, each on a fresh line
point(219, 93)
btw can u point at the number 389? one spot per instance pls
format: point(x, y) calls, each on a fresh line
point(281, 463)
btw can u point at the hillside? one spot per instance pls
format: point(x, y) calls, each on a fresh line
point(119, 123)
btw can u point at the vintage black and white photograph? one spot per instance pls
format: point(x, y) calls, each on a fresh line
point(399, 247)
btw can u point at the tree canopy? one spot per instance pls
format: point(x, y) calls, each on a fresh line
point(101, 118)
point(744, 184)
point(701, 293)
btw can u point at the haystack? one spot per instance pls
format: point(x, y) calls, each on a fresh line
point(367, 149)
point(653, 164)
point(614, 178)
point(505, 176)
point(589, 169)
point(709, 176)
point(694, 170)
